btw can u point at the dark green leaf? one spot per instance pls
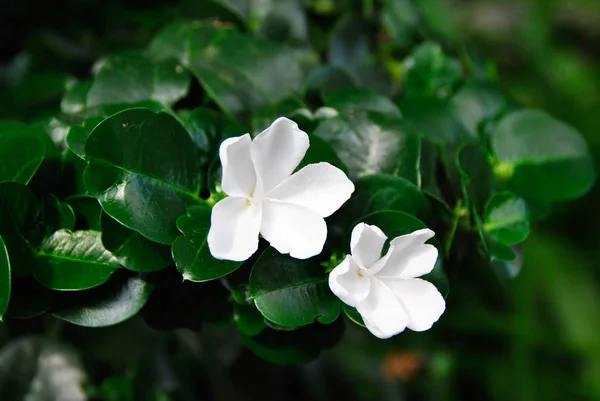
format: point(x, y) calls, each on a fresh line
point(508, 270)
point(21, 152)
point(327, 79)
point(284, 22)
point(542, 158)
point(29, 299)
point(40, 369)
point(290, 107)
point(248, 320)
point(78, 135)
point(133, 251)
point(87, 212)
point(56, 130)
point(218, 10)
point(321, 151)
point(190, 251)
point(355, 99)
point(506, 218)
point(57, 214)
point(370, 144)
point(147, 193)
point(476, 176)
point(429, 72)
point(353, 315)
point(296, 346)
point(292, 292)
point(18, 225)
point(113, 302)
point(74, 101)
point(395, 224)
point(400, 18)
point(132, 78)
point(73, 261)
point(492, 249)
point(240, 73)
point(4, 279)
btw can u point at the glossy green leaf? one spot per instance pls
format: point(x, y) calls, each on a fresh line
point(147, 193)
point(87, 212)
point(29, 299)
point(132, 250)
point(117, 300)
point(478, 102)
point(506, 218)
point(435, 119)
point(240, 73)
point(78, 134)
point(248, 320)
point(132, 78)
point(476, 176)
point(493, 250)
point(21, 152)
point(4, 279)
point(39, 368)
point(354, 99)
point(74, 100)
point(429, 72)
point(321, 151)
point(292, 292)
point(190, 251)
point(18, 225)
point(297, 346)
point(57, 215)
point(370, 144)
point(394, 224)
point(73, 261)
point(541, 157)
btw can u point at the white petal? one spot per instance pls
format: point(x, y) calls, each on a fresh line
point(293, 229)
point(347, 284)
point(277, 151)
point(421, 300)
point(366, 243)
point(234, 228)
point(239, 178)
point(409, 256)
point(381, 311)
point(320, 187)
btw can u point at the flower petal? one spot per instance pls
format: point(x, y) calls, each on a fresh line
point(381, 311)
point(239, 178)
point(277, 151)
point(320, 188)
point(409, 256)
point(366, 244)
point(293, 229)
point(346, 283)
point(234, 228)
point(421, 300)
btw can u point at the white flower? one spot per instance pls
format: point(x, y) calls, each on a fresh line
point(265, 197)
point(385, 290)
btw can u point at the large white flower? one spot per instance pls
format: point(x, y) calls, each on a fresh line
point(385, 290)
point(265, 197)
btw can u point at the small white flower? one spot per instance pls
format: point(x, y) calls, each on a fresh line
point(264, 196)
point(385, 290)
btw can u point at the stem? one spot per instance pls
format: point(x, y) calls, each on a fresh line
point(455, 221)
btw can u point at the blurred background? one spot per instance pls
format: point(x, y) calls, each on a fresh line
point(534, 338)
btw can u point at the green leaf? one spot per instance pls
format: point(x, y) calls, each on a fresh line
point(284, 22)
point(29, 299)
point(509, 269)
point(326, 79)
point(4, 279)
point(131, 250)
point(21, 152)
point(248, 320)
point(506, 218)
point(400, 18)
point(56, 130)
point(290, 107)
point(493, 250)
point(74, 100)
point(190, 251)
point(147, 193)
point(429, 72)
point(73, 261)
point(292, 292)
point(87, 212)
point(321, 151)
point(394, 224)
point(353, 315)
point(296, 346)
point(370, 144)
point(133, 77)
point(478, 102)
point(78, 134)
point(354, 99)
point(57, 215)
point(240, 73)
point(39, 368)
point(18, 226)
point(117, 300)
point(435, 119)
point(541, 157)
point(476, 176)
